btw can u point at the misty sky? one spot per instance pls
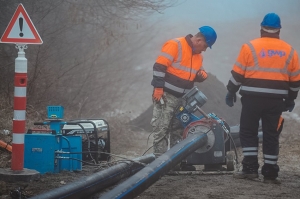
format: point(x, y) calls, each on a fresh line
point(229, 10)
point(235, 21)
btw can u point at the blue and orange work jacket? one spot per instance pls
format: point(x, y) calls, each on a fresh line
point(176, 66)
point(266, 67)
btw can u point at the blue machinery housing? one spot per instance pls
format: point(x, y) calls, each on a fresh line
point(60, 147)
point(50, 153)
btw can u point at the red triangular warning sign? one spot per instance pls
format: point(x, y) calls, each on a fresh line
point(20, 29)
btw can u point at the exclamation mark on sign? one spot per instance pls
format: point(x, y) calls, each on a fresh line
point(21, 26)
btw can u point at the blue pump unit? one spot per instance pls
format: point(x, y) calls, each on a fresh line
point(70, 161)
point(48, 151)
point(39, 152)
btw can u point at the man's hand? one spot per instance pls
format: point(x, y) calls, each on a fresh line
point(230, 98)
point(157, 94)
point(289, 105)
point(201, 76)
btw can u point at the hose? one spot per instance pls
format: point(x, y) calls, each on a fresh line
point(69, 145)
point(234, 147)
point(87, 136)
point(5, 146)
point(169, 128)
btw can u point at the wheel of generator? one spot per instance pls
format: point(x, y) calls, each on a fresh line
point(230, 161)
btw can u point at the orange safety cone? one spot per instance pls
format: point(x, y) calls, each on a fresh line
point(5, 146)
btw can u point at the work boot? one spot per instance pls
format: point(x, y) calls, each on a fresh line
point(245, 175)
point(269, 180)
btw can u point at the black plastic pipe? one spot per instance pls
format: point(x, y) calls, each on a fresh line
point(89, 185)
point(143, 179)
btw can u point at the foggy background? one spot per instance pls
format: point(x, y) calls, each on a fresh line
point(97, 55)
point(236, 22)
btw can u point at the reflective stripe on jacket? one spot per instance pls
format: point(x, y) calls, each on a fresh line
point(176, 66)
point(266, 67)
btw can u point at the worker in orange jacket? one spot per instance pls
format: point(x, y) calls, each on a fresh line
point(268, 76)
point(177, 67)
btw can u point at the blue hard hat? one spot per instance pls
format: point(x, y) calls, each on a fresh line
point(210, 35)
point(271, 20)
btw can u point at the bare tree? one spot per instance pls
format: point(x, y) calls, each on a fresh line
point(83, 53)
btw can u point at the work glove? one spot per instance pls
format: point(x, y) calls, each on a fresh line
point(289, 105)
point(280, 124)
point(201, 76)
point(230, 98)
point(157, 94)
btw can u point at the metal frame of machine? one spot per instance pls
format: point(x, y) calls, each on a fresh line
point(95, 137)
point(218, 151)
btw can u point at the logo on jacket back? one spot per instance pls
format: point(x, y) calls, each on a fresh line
point(270, 53)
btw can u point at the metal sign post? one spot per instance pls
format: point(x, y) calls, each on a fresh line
point(21, 32)
point(19, 120)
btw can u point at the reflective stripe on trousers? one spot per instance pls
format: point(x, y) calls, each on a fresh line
point(269, 110)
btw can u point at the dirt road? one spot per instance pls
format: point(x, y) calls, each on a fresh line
point(225, 186)
point(132, 144)
point(186, 186)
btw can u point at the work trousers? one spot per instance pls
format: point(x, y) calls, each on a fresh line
point(269, 111)
point(165, 124)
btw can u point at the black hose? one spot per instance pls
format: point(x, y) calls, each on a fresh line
point(168, 130)
point(86, 134)
point(69, 145)
point(92, 184)
point(234, 146)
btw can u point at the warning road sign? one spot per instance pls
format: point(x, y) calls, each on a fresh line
point(20, 29)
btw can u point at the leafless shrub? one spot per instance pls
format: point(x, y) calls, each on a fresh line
point(84, 59)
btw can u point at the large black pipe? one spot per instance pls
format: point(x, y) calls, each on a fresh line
point(143, 179)
point(89, 185)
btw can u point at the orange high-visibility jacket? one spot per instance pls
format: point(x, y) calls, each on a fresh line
point(176, 66)
point(266, 67)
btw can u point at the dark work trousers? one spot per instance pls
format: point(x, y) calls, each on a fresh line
point(269, 111)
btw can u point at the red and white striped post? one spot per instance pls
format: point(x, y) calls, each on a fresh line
point(19, 120)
